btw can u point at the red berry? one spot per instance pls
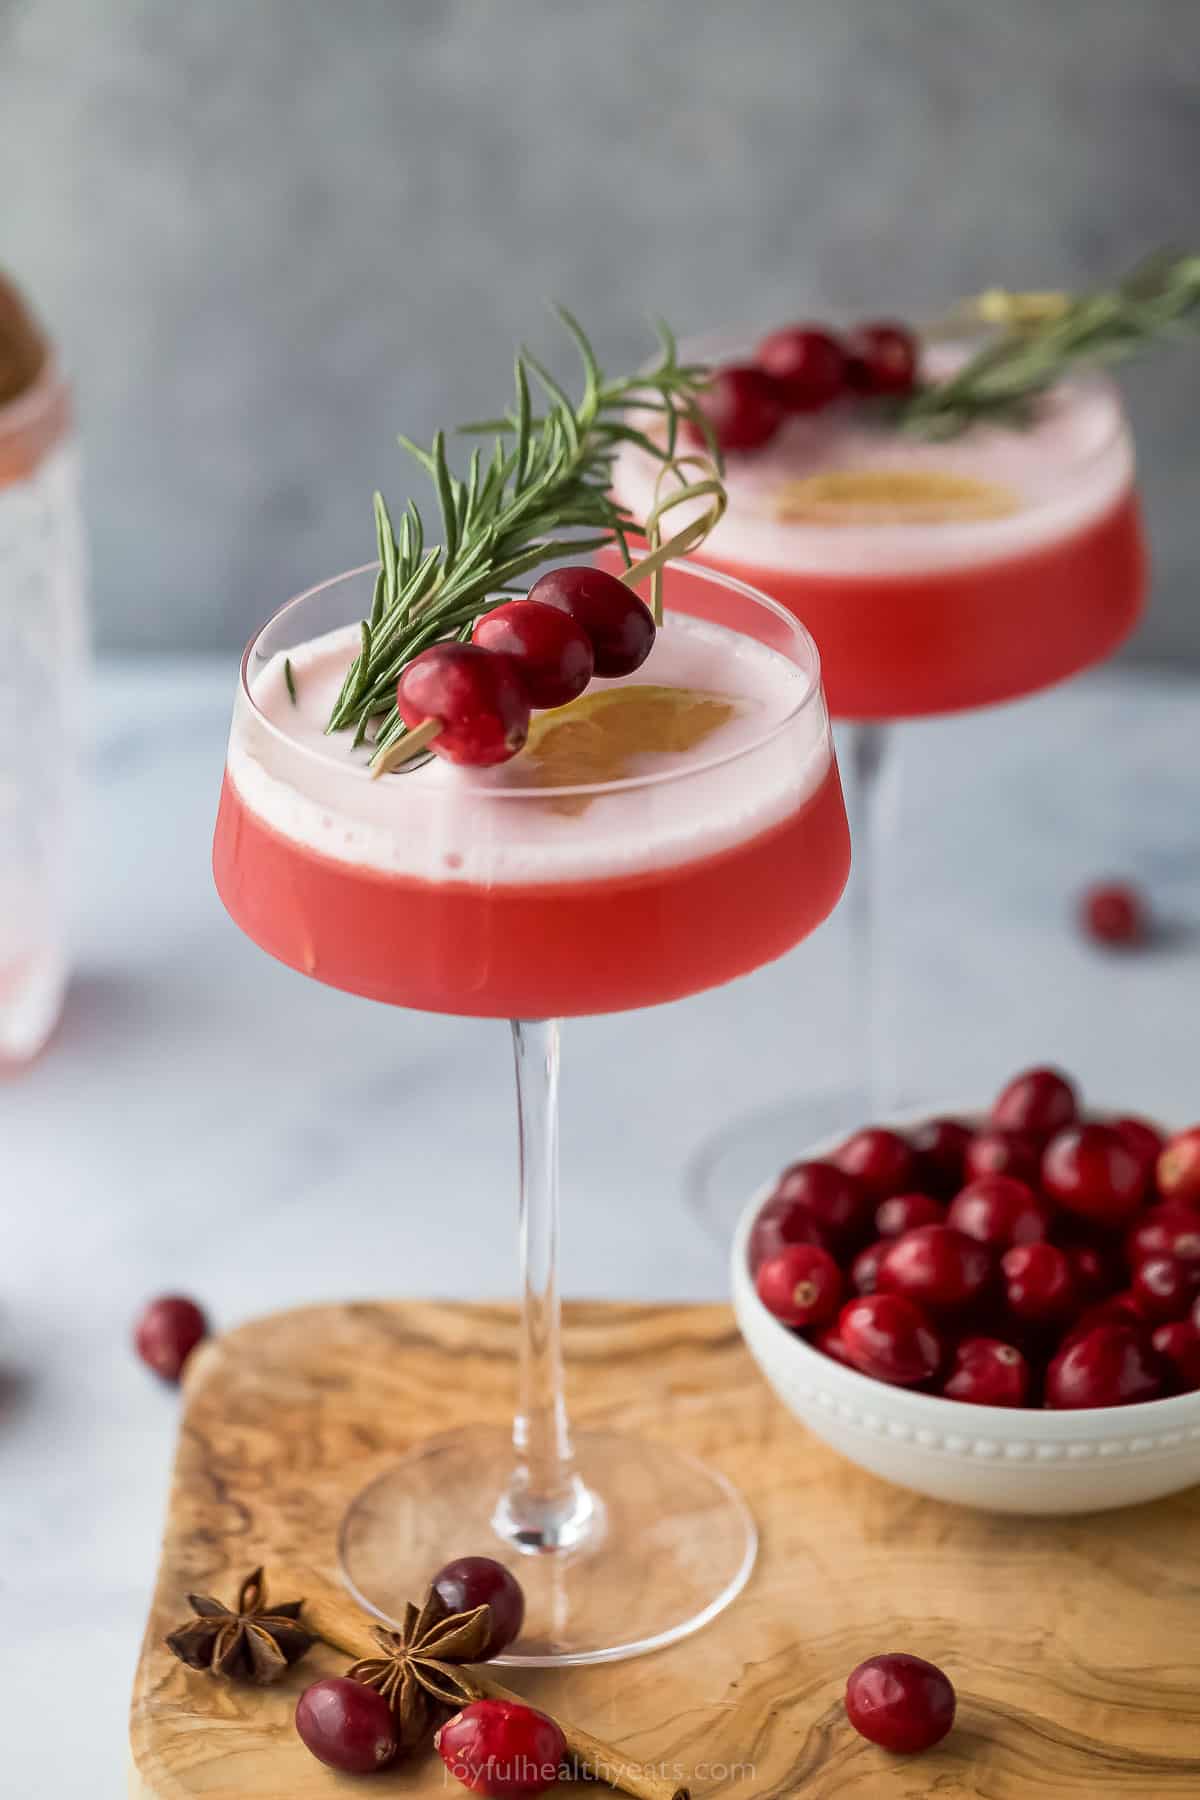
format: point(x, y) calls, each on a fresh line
point(888, 1337)
point(881, 1160)
point(806, 364)
point(1111, 1366)
point(1118, 1309)
point(782, 1222)
point(502, 1747)
point(902, 1703)
point(167, 1332)
point(1178, 1168)
point(347, 1725)
point(829, 1343)
point(476, 694)
point(1145, 1140)
point(801, 1286)
point(903, 1212)
point(940, 1146)
point(1038, 1286)
point(864, 1270)
point(833, 1199)
point(552, 652)
point(935, 1266)
point(1090, 1170)
point(1092, 1271)
point(743, 406)
point(1039, 1101)
point(988, 1372)
point(619, 626)
point(1002, 1152)
point(1113, 912)
point(1164, 1288)
point(1179, 1346)
point(882, 358)
point(472, 1581)
point(999, 1211)
point(1165, 1231)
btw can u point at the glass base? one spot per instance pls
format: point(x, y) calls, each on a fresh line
point(670, 1543)
point(741, 1158)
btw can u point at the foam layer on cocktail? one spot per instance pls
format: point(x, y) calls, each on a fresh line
point(446, 824)
point(1057, 476)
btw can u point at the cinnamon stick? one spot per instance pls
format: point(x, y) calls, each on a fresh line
point(333, 1616)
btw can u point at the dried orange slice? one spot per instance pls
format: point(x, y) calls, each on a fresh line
point(600, 736)
point(890, 496)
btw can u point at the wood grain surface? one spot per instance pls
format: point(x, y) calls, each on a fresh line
point(1074, 1643)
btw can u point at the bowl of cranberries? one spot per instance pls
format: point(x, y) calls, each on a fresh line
point(997, 1308)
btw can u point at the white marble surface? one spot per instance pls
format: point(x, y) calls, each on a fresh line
point(206, 1120)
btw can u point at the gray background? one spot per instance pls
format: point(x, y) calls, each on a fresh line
point(270, 233)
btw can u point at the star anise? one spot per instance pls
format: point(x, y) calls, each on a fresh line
point(415, 1673)
point(252, 1642)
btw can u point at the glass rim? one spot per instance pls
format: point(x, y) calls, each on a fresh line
point(30, 407)
point(811, 667)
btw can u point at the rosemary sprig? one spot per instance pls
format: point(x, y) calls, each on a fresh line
point(1043, 342)
point(546, 476)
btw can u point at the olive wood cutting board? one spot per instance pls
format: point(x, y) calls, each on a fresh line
point(1074, 1643)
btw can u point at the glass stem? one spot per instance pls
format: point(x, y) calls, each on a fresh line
point(868, 749)
point(545, 1506)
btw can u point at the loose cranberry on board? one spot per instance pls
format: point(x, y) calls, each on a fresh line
point(347, 1725)
point(167, 1332)
point(501, 1747)
point(471, 1581)
point(900, 1702)
point(1114, 913)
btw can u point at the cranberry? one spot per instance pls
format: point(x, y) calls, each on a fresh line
point(1111, 1366)
point(829, 1343)
point(167, 1332)
point(1003, 1152)
point(472, 1581)
point(882, 358)
point(864, 1270)
point(903, 1212)
point(1091, 1271)
point(1145, 1140)
point(940, 1147)
point(552, 652)
point(347, 1725)
point(988, 1372)
point(476, 695)
point(502, 1747)
point(801, 1286)
point(1090, 1170)
point(1118, 1309)
point(1163, 1288)
point(888, 1337)
point(1038, 1287)
point(1179, 1346)
point(902, 1703)
point(1113, 912)
point(830, 1197)
point(999, 1211)
point(1039, 1101)
point(1178, 1168)
point(619, 626)
point(744, 407)
point(806, 364)
point(936, 1266)
point(1166, 1230)
point(783, 1222)
point(881, 1160)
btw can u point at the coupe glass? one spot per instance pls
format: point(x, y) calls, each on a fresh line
point(532, 904)
point(914, 621)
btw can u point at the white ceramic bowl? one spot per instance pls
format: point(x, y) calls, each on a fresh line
point(1001, 1460)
